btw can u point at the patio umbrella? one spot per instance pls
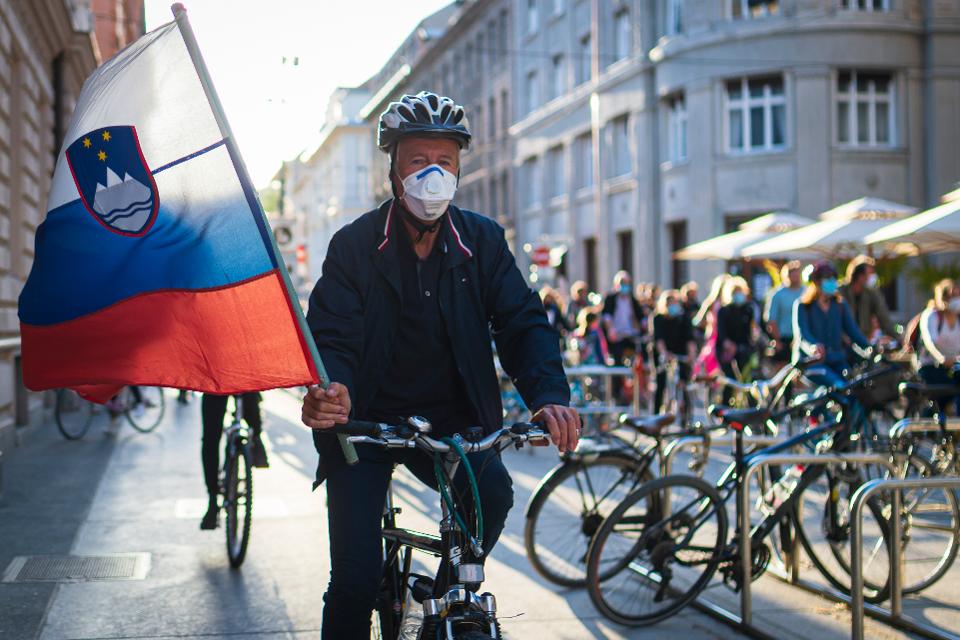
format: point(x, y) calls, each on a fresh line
point(932, 231)
point(839, 233)
point(729, 245)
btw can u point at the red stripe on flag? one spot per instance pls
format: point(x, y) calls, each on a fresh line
point(227, 340)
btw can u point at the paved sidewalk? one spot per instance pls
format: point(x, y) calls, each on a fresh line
point(143, 493)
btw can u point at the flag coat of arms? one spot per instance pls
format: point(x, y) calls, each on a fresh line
point(155, 264)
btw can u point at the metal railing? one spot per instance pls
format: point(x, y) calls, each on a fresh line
point(895, 486)
point(603, 371)
point(754, 465)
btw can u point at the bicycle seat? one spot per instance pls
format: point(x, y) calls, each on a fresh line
point(740, 418)
point(648, 425)
point(922, 390)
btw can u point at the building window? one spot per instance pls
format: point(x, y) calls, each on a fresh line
point(865, 5)
point(590, 262)
point(556, 183)
point(478, 127)
point(531, 183)
point(619, 147)
point(504, 111)
point(756, 115)
point(494, 199)
point(533, 93)
point(674, 17)
point(679, 269)
point(584, 59)
point(625, 245)
point(748, 9)
point(583, 161)
point(865, 109)
point(502, 35)
point(558, 7)
point(557, 76)
point(505, 192)
point(621, 34)
point(677, 129)
point(492, 39)
point(533, 16)
point(492, 118)
point(481, 53)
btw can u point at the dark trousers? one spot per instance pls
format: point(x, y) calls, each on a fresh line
point(932, 374)
point(355, 500)
point(212, 410)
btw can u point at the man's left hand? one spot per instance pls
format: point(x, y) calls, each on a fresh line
point(563, 423)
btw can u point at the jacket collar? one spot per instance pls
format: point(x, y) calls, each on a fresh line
point(389, 227)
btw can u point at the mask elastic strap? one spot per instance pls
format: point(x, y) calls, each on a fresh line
point(421, 227)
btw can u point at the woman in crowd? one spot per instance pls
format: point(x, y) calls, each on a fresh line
point(672, 338)
point(706, 320)
point(822, 320)
point(940, 339)
point(735, 324)
point(554, 305)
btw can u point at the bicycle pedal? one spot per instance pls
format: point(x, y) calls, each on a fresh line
point(421, 587)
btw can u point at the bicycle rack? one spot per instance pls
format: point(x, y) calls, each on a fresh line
point(915, 425)
point(895, 615)
point(743, 621)
point(688, 442)
point(832, 459)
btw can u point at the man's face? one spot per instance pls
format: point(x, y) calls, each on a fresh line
point(794, 277)
point(692, 294)
point(416, 153)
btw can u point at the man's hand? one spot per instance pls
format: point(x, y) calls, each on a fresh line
point(563, 423)
point(323, 408)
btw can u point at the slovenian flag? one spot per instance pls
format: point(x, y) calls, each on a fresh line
point(155, 264)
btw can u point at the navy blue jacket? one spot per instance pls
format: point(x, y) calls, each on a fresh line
point(355, 310)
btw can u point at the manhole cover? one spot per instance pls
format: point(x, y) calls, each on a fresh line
point(118, 566)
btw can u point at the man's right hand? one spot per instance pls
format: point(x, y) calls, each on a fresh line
point(323, 408)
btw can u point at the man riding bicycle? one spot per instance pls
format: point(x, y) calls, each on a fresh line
point(403, 315)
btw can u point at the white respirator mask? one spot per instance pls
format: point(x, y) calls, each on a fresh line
point(428, 192)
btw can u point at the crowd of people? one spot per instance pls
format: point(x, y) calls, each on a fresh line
point(810, 313)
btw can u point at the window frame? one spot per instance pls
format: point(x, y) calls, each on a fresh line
point(746, 14)
point(555, 166)
point(847, 5)
point(622, 28)
point(619, 147)
point(557, 75)
point(744, 104)
point(853, 99)
point(674, 17)
point(532, 17)
point(583, 161)
point(531, 91)
point(677, 129)
point(584, 59)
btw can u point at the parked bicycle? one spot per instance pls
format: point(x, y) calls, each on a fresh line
point(663, 543)
point(143, 408)
point(452, 608)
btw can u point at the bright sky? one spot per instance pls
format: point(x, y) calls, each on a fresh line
point(275, 108)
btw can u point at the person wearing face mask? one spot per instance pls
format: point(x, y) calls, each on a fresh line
point(865, 299)
point(672, 338)
point(623, 317)
point(735, 323)
point(940, 340)
point(403, 314)
point(821, 322)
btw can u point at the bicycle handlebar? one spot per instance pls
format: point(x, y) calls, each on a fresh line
point(414, 435)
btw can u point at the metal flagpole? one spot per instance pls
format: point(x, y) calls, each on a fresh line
point(180, 15)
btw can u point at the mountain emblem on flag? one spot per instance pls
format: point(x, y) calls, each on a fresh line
point(116, 186)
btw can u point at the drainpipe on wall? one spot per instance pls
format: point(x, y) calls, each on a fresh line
point(929, 111)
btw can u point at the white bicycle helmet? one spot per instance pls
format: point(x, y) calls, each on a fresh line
point(423, 114)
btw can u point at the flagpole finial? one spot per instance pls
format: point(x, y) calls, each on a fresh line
point(177, 8)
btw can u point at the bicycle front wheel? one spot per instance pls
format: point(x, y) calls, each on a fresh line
point(145, 414)
point(568, 507)
point(657, 551)
point(73, 414)
point(238, 502)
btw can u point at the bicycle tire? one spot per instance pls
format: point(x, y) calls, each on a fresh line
point(831, 557)
point(568, 570)
point(657, 541)
point(155, 406)
point(238, 501)
point(939, 516)
point(73, 414)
